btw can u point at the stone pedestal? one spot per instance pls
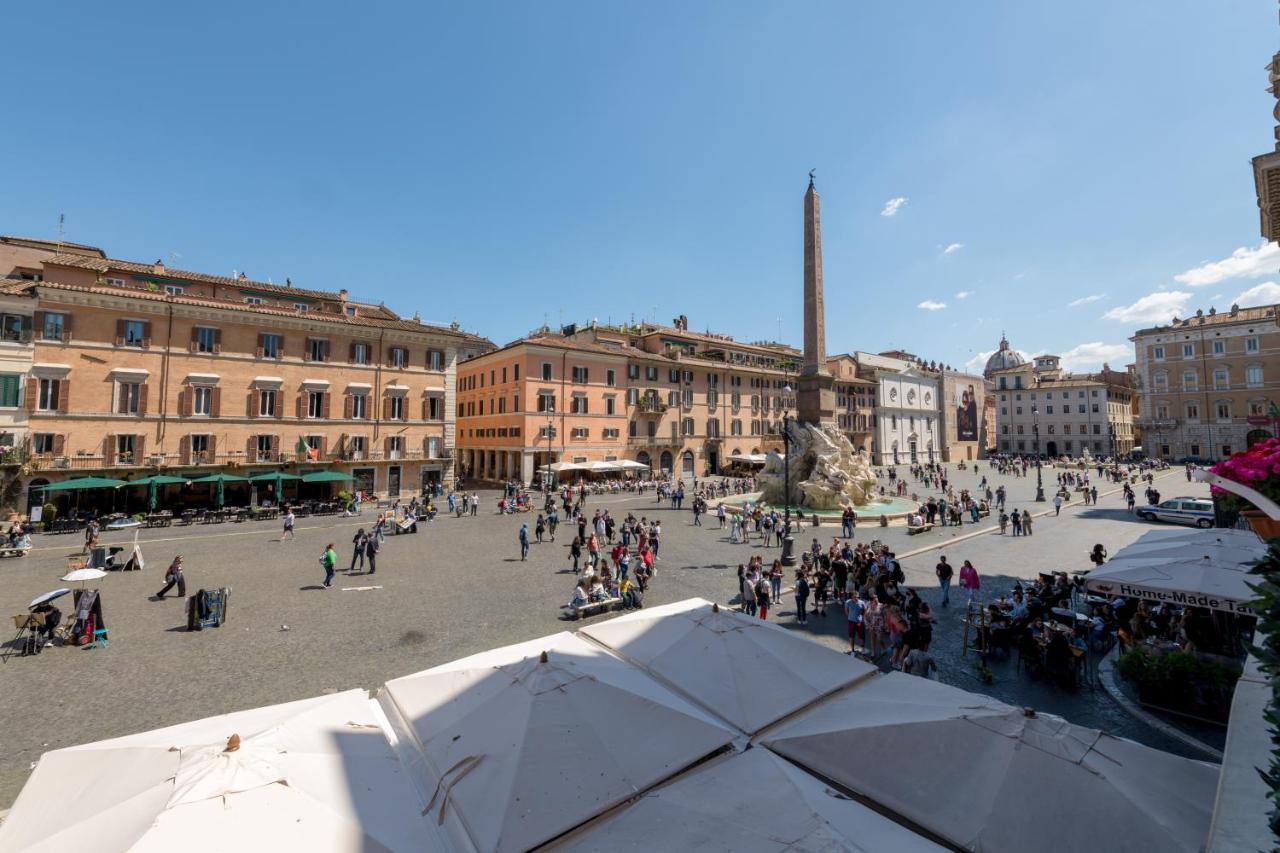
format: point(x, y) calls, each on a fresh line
point(816, 399)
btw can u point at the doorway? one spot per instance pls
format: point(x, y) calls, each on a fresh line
point(393, 481)
point(1052, 448)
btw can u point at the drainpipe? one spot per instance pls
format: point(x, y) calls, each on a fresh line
point(564, 362)
point(164, 380)
point(377, 384)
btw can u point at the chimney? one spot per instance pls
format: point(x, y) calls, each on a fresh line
point(244, 277)
point(158, 267)
point(342, 294)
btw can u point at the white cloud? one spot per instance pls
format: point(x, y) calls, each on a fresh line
point(964, 294)
point(1243, 263)
point(932, 305)
point(1084, 300)
point(893, 205)
point(1159, 307)
point(1267, 293)
point(1091, 356)
point(952, 248)
point(978, 362)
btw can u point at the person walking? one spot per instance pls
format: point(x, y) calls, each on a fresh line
point(1057, 505)
point(173, 576)
point(944, 572)
point(524, 541)
point(91, 536)
point(854, 614)
point(969, 580)
point(475, 503)
point(575, 552)
point(328, 560)
point(721, 514)
point(359, 541)
point(1026, 523)
point(1017, 522)
point(919, 662)
point(539, 528)
point(801, 590)
point(287, 532)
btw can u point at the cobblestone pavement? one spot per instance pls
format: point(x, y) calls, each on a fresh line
point(456, 588)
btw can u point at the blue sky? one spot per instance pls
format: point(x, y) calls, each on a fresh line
point(502, 164)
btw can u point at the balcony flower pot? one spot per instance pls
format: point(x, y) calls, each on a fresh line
point(1261, 524)
point(1259, 469)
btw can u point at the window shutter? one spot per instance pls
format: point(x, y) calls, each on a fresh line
point(213, 448)
point(32, 396)
point(299, 405)
point(64, 395)
point(215, 401)
point(425, 402)
point(184, 450)
point(351, 352)
point(324, 446)
point(139, 449)
point(275, 447)
point(194, 343)
point(306, 349)
point(251, 404)
point(59, 444)
point(146, 334)
point(404, 409)
point(142, 399)
point(262, 349)
point(386, 446)
point(279, 405)
point(108, 448)
point(324, 405)
point(347, 403)
point(251, 448)
point(217, 340)
point(386, 408)
point(119, 333)
point(324, 350)
point(66, 328)
point(186, 401)
point(37, 323)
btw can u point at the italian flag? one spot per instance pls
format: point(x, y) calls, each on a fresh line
point(306, 450)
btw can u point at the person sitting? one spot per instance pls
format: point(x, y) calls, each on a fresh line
point(597, 589)
point(52, 617)
point(579, 595)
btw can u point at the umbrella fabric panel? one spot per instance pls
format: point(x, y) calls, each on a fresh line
point(48, 596)
point(1199, 582)
point(83, 483)
point(751, 802)
point(720, 659)
point(327, 477)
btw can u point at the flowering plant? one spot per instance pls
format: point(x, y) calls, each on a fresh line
point(1258, 467)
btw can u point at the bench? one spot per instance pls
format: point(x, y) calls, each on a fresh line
point(6, 551)
point(912, 531)
point(592, 607)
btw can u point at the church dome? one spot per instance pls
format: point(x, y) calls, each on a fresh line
point(1002, 358)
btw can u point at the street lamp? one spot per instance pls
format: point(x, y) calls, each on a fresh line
point(546, 477)
point(1035, 427)
point(788, 542)
point(1111, 436)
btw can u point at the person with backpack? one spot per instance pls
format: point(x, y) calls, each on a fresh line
point(173, 575)
point(762, 597)
point(360, 540)
point(802, 597)
point(328, 560)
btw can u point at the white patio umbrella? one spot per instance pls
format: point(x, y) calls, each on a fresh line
point(315, 775)
point(984, 776)
point(1218, 544)
point(82, 575)
point(720, 658)
point(631, 465)
point(1198, 581)
point(513, 747)
point(750, 802)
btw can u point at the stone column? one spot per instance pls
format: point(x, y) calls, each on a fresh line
point(816, 397)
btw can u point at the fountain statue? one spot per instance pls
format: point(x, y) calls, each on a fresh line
point(825, 470)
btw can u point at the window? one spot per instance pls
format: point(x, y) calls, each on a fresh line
point(1219, 347)
point(116, 282)
point(205, 339)
point(264, 447)
point(433, 447)
point(611, 378)
point(1095, 407)
point(516, 372)
point(651, 373)
point(1017, 410)
point(435, 407)
point(633, 371)
point(202, 400)
point(317, 349)
point(174, 289)
point(267, 403)
point(579, 375)
point(135, 333)
point(1253, 376)
point(395, 446)
point(13, 327)
point(1160, 381)
point(546, 373)
point(270, 345)
point(1251, 345)
point(315, 404)
point(1188, 350)
point(435, 361)
point(735, 427)
point(686, 426)
point(609, 432)
point(360, 353)
point(1220, 378)
point(360, 406)
point(1066, 429)
point(47, 396)
point(128, 398)
point(1157, 353)
point(1224, 411)
point(53, 326)
point(199, 447)
point(546, 401)
point(1190, 381)
point(1193, 413)
point(124, 449)
point(688, 398)
point(253, 300)
point(713, 428)
point(399, 357)
point(300, 307)
point(397, 409)
point(1097, 429)
point(1048, 410)
point(42, 442)
point(1162, 411)
point(610, 404)
point(580, 432)
point(10, 390)
point(578, 405)
point(673, 375)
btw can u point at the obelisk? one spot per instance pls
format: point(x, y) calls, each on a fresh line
point(816, 399)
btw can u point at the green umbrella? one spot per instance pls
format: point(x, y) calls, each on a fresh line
point(83, 483)
point(221, 480)
point(152, 482)
point(327, 477)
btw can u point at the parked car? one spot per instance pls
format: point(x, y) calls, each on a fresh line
point(1197, 512)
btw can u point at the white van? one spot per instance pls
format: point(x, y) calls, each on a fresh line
point(1197, 512)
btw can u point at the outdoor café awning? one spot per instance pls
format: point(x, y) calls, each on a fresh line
point(749, 458)
point(82, 483)
point(1200, 569)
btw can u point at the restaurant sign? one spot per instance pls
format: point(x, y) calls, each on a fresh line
point(1168, 596)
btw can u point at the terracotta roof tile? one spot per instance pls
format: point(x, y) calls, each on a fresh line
point(103, 265)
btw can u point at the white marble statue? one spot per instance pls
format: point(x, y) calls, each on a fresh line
point(826, 472)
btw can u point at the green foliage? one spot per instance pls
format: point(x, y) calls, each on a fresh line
point(1267, 606)
point(139, 516)
point(50, 513)
point(1180, 681)
point(984, 671)
point(345, 496)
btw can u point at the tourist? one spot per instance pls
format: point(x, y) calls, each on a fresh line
point(944, 572)
point(371, 549)
point(575, 552)
point(721, 514)
point(173, 576)
point(91, 536)
point(475, 503)
point(919, 662)
point(1057, 504)
point(524, 541)
point(775, 580)
point(854, 614)
point(969, 580)
point(358, 542)
point(749, 595)
point(874, 621)
point(762, 597)
point(655, 538)
point(1016, 518)
point(801, 590)
point(328, 560)
point(1026, 523)
point(896, 625)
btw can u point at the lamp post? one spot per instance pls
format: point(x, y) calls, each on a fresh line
point(1111, 436)
point(551, 434)
point(1035, 427)
point(788, 542)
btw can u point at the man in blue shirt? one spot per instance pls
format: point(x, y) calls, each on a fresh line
point(853, 612)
